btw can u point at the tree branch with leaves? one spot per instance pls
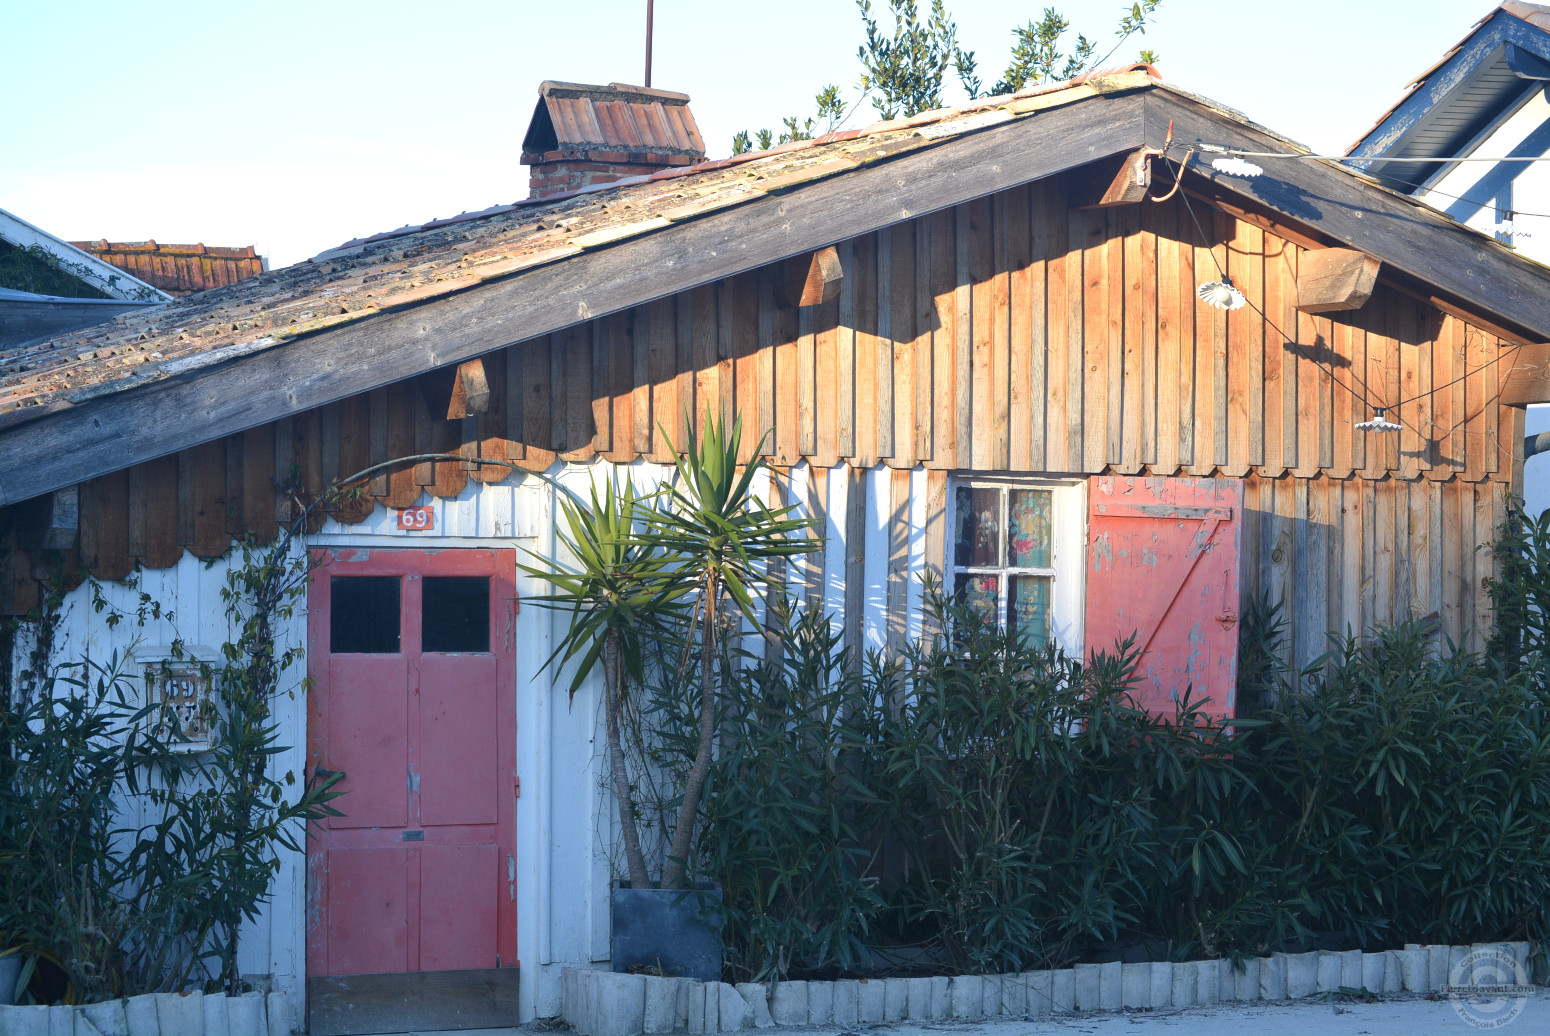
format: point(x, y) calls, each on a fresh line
point(904, 69)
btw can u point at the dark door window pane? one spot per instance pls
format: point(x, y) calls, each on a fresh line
point(363, 615)
point(455, 613)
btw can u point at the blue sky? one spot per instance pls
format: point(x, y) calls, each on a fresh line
point(295, 126)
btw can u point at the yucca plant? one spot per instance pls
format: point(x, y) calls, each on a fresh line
point(721, 538)
point(616, 595)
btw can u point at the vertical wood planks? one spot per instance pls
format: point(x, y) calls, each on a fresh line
point(944, 340)
point(845, 355)
point(1021, 306)
point(1057, 378)
point(1245, 351)
point(997, 419)
point(1343, 428)
point(882, 373)
point(662, 417)
point(1134, 381)
point(867, 346)
point(987, 316)
point(1276, 360)
point(746, 330)
point(922, 348)
point(1113, 370)
point(1169, 305)
point(900, 416)
point(1093, 414)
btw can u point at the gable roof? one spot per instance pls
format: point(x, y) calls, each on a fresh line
point(1484, 78)
point(380, 309)
point(178, 269)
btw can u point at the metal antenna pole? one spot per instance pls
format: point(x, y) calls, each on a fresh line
point(649, 5)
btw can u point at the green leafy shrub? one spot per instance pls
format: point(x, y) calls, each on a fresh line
point(985, 804)
point(129, 861)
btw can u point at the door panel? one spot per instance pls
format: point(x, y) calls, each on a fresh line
point(413, 876)
point(368, 715)
point(367, 892)
point(457, 884)
point(460, 778)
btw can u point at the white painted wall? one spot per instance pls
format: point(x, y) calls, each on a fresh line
point(1530, 187)
point(565, 819)
point(1536, 470)
point(1531, 205)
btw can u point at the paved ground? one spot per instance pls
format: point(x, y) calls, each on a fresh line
point(1410, 1016)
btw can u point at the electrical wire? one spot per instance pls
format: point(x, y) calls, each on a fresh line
point(1219, 149)
point(1469, 201)
point(1365, 395)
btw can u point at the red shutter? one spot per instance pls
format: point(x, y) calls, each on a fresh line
point(1162, 563)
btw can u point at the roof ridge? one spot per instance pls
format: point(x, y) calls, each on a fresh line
point(881, 126)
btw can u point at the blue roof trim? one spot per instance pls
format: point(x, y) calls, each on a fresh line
point(1500, 29)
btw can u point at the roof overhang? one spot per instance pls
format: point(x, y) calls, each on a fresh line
point(105, 277)
point(127, 427)
point(1455, 104)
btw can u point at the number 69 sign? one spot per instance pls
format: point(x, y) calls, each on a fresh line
point(417, 519)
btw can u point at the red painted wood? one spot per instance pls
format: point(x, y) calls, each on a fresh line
point(416, 875)
point(1162, 564)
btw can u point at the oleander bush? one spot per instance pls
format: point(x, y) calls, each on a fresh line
point(982, 804)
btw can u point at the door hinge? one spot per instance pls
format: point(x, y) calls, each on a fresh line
point(516, 787)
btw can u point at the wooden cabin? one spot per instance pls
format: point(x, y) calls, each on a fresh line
point(972, 343)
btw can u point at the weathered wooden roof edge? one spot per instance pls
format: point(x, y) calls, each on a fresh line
point(212, 399)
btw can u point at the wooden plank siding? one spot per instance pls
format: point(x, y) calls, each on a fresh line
point(1011, 333)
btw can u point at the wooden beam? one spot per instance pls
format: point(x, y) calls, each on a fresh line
point(1332, 280)
point(1127, 184)
point(470, 391)
point(1528, 379)
point(812, 280)
point(119, 429)
point(455, 393)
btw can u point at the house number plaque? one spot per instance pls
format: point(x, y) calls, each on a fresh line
point(184, 694)
point(417, 519)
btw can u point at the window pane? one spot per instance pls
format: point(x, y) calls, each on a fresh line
point(1028, 538)
point(1028, 608)
point(455, 613)
point(978, 539)
point(363, 615)
point(981, 594)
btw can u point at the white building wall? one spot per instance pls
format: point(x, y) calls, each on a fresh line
point(565, 819)
point(1530, 206)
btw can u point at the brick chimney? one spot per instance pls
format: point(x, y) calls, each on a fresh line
point(582, 135)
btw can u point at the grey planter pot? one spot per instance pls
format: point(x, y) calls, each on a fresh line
point(676, 931)
point(10, 971)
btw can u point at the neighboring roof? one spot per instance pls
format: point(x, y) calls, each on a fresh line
point(178, 269)
point(29, 317)
point(613, 123)
point(105, 278)
point(383, 308)
point(1453, 104)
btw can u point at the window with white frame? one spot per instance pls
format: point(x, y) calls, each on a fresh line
point(1016, 555)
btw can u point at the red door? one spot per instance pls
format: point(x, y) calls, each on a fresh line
point(1162, 563)
point(414, 701)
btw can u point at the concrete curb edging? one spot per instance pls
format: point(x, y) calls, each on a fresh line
point(162, 1014)
point(601, 1003)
